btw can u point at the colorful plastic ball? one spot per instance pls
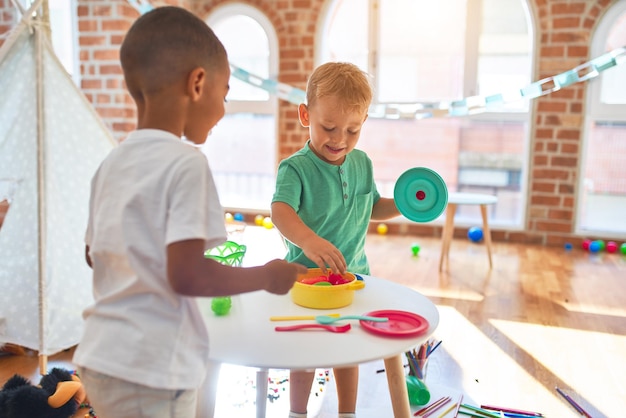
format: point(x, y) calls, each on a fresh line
point(585, 244)
point(602, 245)
point(475, 234)
point(228, 217)
point(595, 247)
point(611, 247)
point(382, 229)
point(258, 220)
point(267, 222)
point(622, 248)
point(568, 246)
point(415, 249)
point(238, 217)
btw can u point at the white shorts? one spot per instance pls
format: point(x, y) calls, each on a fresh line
point(111, 397)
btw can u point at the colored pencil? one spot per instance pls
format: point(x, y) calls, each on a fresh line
point(444, 413)
point(511, 410)
point(433, 406)
point(458, 406)
point(427, 407)
point(471, 414)
point(432, 411)
point(514, 415)
point(480, 411)
point(413, 364)
point(573, 403)
point(419, 365)
point(430, 350)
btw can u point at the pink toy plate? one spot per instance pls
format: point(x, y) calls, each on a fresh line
point(400, 324)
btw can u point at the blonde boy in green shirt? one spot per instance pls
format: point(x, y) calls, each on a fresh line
point(325, 197)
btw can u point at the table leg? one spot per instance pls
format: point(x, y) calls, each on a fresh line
point(394, 369)
point(261, 392)
point(447, 233)
point(486, 232)
point(208, 391)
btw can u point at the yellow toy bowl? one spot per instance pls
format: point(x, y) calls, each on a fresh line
point(324, 297)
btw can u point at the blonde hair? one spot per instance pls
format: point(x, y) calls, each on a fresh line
point(342, 80)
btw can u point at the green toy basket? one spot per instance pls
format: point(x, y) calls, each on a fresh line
point(229, 253)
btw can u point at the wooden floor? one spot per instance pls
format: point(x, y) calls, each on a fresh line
point(541, 318)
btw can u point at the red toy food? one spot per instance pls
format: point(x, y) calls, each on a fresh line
point(313, 280)
point(335, 279)
point(332, 278)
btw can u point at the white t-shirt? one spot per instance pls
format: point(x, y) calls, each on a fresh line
point(150, 191)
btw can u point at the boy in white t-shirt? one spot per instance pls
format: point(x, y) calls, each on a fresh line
point(153, 212)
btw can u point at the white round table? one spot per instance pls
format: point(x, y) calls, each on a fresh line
point(455, 199)
point(246, 337)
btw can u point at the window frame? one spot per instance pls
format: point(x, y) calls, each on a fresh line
point(246, 183)
point(264, 107)
point(596, 111)
point(472, 55)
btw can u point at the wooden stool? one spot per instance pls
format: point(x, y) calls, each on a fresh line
point(455, 199)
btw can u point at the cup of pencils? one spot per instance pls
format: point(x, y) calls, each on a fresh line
point(416, 378)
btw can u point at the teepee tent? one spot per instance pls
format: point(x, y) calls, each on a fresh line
point(51, 142)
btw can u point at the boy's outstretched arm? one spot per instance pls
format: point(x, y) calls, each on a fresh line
point(317, 249)
point(384, 209)
point(190, 274)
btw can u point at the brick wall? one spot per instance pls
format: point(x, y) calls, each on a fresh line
point(102, 25)
point(562, 38)
point(7, 18)
point(563, 32)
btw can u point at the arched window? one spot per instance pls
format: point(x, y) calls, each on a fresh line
point(242, 147)
point(63, 30)
point(603, 174)
point(421, 51)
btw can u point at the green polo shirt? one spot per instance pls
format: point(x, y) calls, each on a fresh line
point(334, 201)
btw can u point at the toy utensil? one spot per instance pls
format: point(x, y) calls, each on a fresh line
point(299, 318)
point(331, 328)
point(327, 319)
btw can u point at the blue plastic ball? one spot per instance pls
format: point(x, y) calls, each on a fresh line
point(238, 216)
point(475, 234)
point(568, 246)
point(595, 246)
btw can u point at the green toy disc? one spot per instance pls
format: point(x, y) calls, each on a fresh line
point(420, 194)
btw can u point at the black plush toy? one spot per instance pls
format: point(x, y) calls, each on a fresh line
point(58, 395)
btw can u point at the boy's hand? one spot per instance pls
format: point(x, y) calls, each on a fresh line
point(282, 275)
point(323, 253)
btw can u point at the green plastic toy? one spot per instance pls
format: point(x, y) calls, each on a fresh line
point(231, 254)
